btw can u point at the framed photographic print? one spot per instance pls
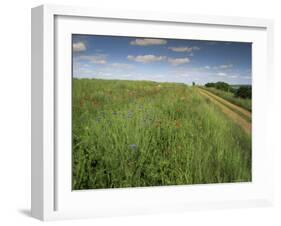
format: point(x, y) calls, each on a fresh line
point(138, 112)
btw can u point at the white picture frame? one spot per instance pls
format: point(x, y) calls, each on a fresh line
point(52, 197)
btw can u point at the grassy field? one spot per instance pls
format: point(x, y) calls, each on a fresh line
point(137, 133)
point(244, 103)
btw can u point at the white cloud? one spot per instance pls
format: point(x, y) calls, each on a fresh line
point(184, 48)
point(211, 43)
point(233, 76)
point(184, 75)
point(225, 66)
point(148, 41)
point(181, 49)
point(146, 58)
point(85, 71)
point(106, 74)
point(195, 48)
point(221, 74)
point(207, 67)
point(178, 61)
point(121, 65)
point(158, 76)
point(126, 75)
point(79, 47)
point(95, 59)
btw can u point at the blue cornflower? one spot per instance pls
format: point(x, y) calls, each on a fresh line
point(99, 118)
point(134, 147)
point(130, 113)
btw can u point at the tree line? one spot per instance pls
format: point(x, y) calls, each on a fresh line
point(243, 91)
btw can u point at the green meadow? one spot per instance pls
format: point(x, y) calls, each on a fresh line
point(141, 133)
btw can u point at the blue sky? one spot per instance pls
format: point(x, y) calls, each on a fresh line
point(161, 60)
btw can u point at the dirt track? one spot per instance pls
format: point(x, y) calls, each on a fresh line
point(227, 107)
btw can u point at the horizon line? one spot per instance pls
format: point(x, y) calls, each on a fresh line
point(138, 80)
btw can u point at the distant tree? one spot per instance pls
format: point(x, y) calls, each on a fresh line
point(220, 85)
point(244, 92)
point(223, 86)
point(210, 84)
point(193, 83)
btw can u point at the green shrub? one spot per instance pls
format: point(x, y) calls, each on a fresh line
point(221, 86)
point(244, 92)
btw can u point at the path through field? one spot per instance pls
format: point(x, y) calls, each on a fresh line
point(228, 108)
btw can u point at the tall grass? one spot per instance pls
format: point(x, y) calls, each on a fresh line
point(244, 103)
point(134, 133)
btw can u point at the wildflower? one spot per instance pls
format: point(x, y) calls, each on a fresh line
point(95, 103)
point(99, 118)
point(178, 124)
point(130, 114)
point(158, 123)
point(134, 147)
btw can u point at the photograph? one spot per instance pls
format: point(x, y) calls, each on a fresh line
point(154, 111)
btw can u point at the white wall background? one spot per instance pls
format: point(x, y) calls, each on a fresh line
point(15, 112)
